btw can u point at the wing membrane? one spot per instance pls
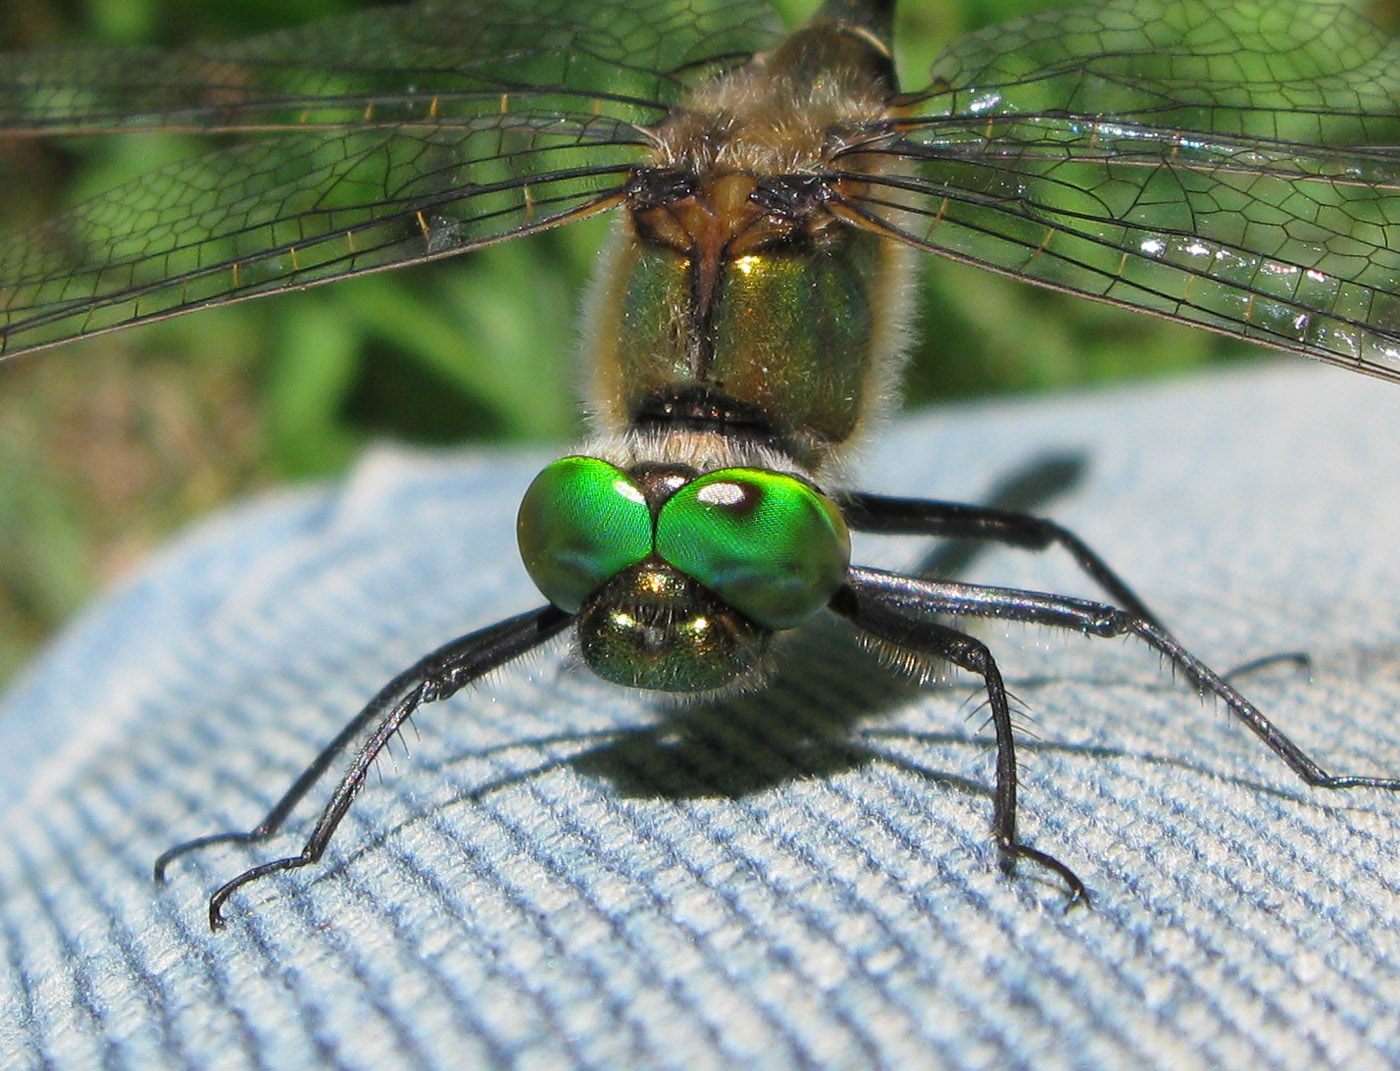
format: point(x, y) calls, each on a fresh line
point(1230, 166)
point(387, 138)
point(429, 61)
point(272, 216)
point(1233, 166)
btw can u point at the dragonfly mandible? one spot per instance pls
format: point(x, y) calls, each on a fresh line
point(1228, 167)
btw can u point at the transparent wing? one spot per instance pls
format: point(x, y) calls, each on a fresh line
point(1233, 166)
point(385, 138)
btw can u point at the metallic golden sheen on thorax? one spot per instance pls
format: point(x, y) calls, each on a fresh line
point(732, 294)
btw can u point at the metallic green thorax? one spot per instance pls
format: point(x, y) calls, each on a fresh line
point(736, 298)
point(788, 342)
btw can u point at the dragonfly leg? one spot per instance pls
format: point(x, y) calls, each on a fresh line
point(886, 515)
point(896, 624)
point(915, 595)
point(434, 677)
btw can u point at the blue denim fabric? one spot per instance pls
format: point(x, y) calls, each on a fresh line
point(564, 874)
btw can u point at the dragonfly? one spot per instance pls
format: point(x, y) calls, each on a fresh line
point(1231, 167)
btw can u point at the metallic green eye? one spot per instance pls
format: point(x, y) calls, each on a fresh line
point(581, 523)
point(765, 543)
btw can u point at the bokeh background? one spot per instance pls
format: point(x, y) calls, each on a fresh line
point(108, 446)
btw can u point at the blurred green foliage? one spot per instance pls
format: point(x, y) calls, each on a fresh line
point(107, 446)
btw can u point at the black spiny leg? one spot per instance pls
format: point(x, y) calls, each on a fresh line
point(884, 515)
point(864, 605)
point(894, 607)
point(435, 677)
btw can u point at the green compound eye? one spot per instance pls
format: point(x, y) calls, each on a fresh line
point(581, 523)
point(765, 543)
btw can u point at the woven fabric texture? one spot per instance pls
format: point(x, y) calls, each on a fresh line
point(552, 872)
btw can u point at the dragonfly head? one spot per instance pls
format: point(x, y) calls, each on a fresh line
point(679, 579)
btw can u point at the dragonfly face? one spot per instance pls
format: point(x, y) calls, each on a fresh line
point(679, 576)
point(1231, 167)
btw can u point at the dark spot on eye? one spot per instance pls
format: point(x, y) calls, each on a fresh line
point(739, 498)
